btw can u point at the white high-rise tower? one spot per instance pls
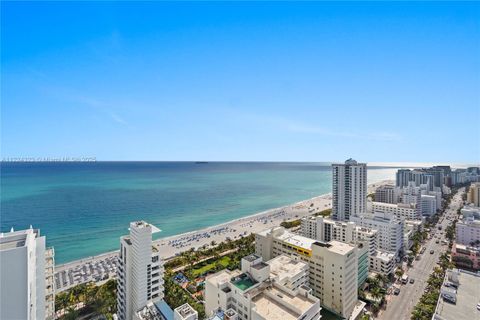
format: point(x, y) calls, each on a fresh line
point(27, 289)
point(349, 187)
point(140, 270)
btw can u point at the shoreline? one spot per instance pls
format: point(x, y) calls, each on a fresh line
point(103, 265)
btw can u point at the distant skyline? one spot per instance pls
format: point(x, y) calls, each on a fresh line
point(378, 82)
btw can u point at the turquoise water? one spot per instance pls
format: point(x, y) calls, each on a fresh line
point(83, 208)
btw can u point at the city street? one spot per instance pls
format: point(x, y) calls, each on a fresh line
point(401, 306)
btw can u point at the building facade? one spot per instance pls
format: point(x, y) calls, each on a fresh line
point(473, 195)
point(349, 189)
point(333, 273)
point(468, 232)
point(466, 257)
point(139, 272)
point(387, 194)
point(324, 229)
point(382, 262)
point(428, 205)
point(389, 230)
point(27, 289)
point(401, 210)
point(470, 211)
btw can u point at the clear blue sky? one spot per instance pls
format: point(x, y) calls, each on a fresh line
point(241, 81)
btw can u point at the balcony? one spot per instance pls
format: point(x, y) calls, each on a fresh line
point(49, 253)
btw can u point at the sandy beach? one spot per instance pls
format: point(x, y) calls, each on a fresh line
point(102, 267)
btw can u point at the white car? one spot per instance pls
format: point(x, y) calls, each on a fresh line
point(478, 306)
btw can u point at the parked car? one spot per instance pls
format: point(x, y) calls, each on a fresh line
point(432, 252)
point(396, 291)
point(412, 280)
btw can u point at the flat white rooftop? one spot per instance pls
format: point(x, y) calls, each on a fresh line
point(285, 267)
point(340, 247)
point(385, 256)
point(296, 240)
point(468, 295)
point(16, 239)
point(269, 308)
point(223, 276)
point(185, 311)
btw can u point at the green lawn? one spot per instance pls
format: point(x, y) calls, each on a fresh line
point(224, 261)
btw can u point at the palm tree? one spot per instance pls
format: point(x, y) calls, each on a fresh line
point(89, 293)
point(381, 278)
point(372, 283)
point(399, 272)
point(106, 298)
point(417, 313)
point(72, 313)
point(63, 301)
point(376, 293)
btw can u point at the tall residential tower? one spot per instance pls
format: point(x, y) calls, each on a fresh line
point(349, 187)
point(26, 276)
point(140, 271)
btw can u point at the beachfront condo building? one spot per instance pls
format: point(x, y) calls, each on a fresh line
point(333, 273)
point(418, 177)
point(349, 189)
point(27, 289)
point(139, 272)
point(433, 177)
point(389, 230)
point(262, 291)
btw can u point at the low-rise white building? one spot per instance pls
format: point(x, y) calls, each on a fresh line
point(470, 211)
point(407, 238)
point(382, 262)
point(333, 273)
point(255, 293)
point(468, 232)
point(428, 205)
point(413, 225)
point(27, 288)
point(185, 312)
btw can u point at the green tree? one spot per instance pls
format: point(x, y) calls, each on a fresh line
point(72, 314)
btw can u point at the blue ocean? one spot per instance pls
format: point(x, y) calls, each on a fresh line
point(84, 207)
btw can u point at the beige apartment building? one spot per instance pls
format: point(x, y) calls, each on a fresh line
point(333, 273)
